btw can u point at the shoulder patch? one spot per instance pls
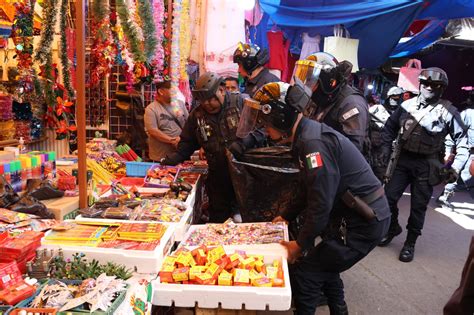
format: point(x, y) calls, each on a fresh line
point(314, 160)
point(350, 113)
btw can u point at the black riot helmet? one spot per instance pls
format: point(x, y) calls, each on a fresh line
point(206, 86)
point(274, 105)
point(323, 74)
point(250, 56)
point(434, 75)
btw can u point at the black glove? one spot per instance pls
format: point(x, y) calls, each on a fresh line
point(451, 176)
point(237, 148)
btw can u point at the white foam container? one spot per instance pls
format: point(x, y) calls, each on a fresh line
point(226, 297)
point(144, 261)
point(271, 248)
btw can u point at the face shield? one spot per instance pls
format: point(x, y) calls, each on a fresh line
point(249, 117)
point(308, 72)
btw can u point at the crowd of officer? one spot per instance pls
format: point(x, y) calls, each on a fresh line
point(355, 161)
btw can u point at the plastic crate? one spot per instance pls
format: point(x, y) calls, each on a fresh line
point(132, 181)
point(137, 169)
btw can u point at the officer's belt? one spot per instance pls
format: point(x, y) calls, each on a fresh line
point(361, 204)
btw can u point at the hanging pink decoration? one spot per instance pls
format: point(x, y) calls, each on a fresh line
point(159, 16)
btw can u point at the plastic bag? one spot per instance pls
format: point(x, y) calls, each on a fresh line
point(266, 182)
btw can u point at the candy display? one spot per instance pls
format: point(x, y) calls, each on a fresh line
point(230, 233)
point(130, 236)
point(160, 176)
point(164, 210)
point(213, 266)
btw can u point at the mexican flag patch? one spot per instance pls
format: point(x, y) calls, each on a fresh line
point(314, 160)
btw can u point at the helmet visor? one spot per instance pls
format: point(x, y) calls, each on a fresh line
point(248, 118)
point(430, 75)
point(308, 72)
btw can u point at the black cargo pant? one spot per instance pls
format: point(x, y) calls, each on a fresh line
point(221, 195)
point(413, 170)
point(319, 270)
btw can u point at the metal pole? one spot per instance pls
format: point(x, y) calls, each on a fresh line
point(81, 100)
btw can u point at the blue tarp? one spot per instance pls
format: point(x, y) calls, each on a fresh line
point(377, 24)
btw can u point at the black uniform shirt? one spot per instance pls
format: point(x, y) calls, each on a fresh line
point(264, 77)
point(331, 164)
point(348, 115)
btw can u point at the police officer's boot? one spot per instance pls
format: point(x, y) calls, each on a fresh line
point(443, 200)
point(408, 251)
point(338, 309)
point(394, 230)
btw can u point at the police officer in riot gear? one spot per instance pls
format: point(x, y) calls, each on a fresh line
point(345, 203)
point(420, 126)
point(379, 115)
point(251, 60)
point(394, 99)
point(212, 125)
point(335, 102)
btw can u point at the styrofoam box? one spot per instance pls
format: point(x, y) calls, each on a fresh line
point(226, 297)
point(144, 261)
point(273, 248)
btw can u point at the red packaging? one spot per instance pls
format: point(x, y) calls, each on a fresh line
point(9, 274)
point(17, 293)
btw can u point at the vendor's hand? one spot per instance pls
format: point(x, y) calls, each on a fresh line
point(279, 219)
point(174, 141)
point(202, 154)
point(293, 249)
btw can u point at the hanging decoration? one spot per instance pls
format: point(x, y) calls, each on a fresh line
point(124, 57)
point(159, 59)
point(63, 51)
point(22, 35)
point(130, 31)
point(185, 49)
point(102, 50)
point(175, 53)
point(149, 29)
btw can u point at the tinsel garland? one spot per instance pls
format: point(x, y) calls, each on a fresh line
point(134, 17)
point(159, 18)
point(102, 52)
point(123, 55)
point(130, 32)
point(184, 40)
point(63, 52)
point(50, 11)
point(175, 59)
point(149, 30)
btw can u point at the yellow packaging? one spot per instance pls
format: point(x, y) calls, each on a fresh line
point(216, 253)
point(166, 274)
point(195, 270)
point(214, 270)
point(248, 263)
point(185, 259)
point(276, 263)
point(263, 282)
point(253, 275)
point(225, 279)
point(169, 261)
point(241, 276)
point(201, 257)
point(257, 257)
point(181, 274)
point(204, 278)
point(272, 272)
point(235, 260)
point(259, 265)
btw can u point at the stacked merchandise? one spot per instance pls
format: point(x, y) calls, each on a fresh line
point(126, 236)
point(214, 266)
point(17, 222)
point(7, 124)
point(20, 248)
point(13, 288)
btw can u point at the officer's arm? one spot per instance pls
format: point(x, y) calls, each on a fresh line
point(187, 145)
point(458, 133)
point(354, 118)
point(391, 128)
point(322, 180)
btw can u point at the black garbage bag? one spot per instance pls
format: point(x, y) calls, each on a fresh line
point(266, 183)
